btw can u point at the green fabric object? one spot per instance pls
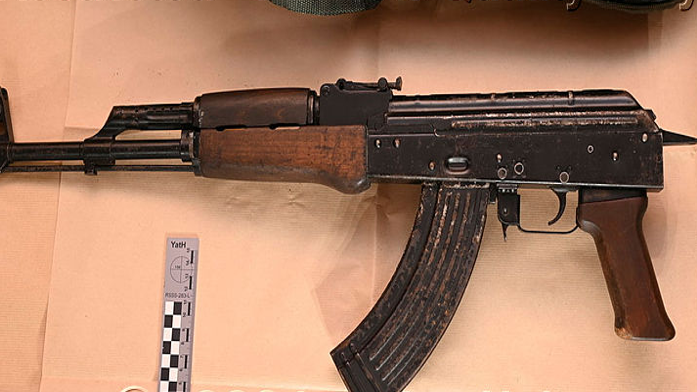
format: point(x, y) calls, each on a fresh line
point(338, 7)
point(327, 7)
point(636, 5)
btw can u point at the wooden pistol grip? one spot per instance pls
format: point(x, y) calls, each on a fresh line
point(330, 155)
point(615, 225)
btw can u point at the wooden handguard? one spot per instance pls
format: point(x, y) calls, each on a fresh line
point(330, 155)
point(614, 219)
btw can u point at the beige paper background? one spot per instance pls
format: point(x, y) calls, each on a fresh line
point(287, 270)
point(35, 68)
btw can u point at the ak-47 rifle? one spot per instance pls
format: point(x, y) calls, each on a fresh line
point(468, 150)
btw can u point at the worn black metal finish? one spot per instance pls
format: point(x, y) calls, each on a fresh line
point(82, 168)
point(558, 139)
point(508, 209)
point(676, 139)
point(541, 156)
point(147, 117)
point(66, 151)
point(5, 119)
point(350, 103)
point(96, 154)
point(562, 140)
point(394, 340)
point(588, 138)
point(467, 150)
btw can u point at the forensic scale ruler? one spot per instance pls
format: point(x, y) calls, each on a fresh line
point(178, 319)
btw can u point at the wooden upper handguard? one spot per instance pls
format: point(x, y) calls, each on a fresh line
point(614, 219)
point(330, 155)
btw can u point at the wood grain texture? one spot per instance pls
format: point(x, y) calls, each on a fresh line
point(254, 108)
point(616, 228)
point(333, 156)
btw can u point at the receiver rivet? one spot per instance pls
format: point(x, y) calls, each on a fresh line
point(378, 143)
point(590, 149)
point(615, 155)
point(644, 138)
point(431, 166)
point(502, 173)
point(564, 177)
point(397, 143)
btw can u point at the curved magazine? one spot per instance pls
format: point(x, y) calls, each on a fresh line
point(394, 340)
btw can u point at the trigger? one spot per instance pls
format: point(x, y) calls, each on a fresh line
point(561, 195)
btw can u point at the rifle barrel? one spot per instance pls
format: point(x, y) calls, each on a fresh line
point(113, 150)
